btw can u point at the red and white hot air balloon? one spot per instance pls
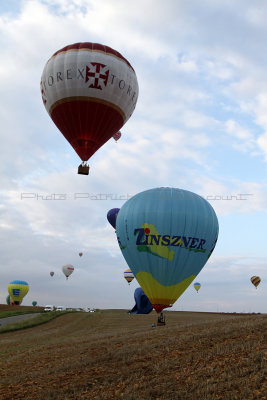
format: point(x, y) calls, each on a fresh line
point(90, 91)
point(117, 136)
point(67, 270)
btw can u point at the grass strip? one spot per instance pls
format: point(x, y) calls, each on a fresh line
point(5, 314)
point(38, 320)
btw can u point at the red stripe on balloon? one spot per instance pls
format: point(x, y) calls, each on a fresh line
point(159, 307)
point(93, 47)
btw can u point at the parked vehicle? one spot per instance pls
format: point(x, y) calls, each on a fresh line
point(61, 308)
point(49, 308)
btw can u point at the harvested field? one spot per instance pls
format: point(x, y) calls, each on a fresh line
point(113, 355)
point(4, 308)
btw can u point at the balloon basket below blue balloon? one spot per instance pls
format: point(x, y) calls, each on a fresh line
point(161, 320)
point(83, 169)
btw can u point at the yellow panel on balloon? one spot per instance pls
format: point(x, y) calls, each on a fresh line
point(160, 294)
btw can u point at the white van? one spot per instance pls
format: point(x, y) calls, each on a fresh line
point(49, 308)
point(61, 308)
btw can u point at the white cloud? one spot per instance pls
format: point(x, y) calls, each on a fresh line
point(234, 129)
point(262, 142)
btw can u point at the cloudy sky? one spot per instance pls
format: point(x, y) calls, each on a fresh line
point(200, 124)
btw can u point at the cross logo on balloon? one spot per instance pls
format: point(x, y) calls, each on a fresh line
point(98, 75)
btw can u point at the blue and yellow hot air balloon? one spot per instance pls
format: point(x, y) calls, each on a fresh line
point(166, 236)
point(197, 286)
point(128, 275)
point(17, 290)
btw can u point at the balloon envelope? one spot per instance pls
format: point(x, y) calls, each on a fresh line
point(197, 286)
point(67, 270)
point(128, 275)
point(142, 303)
point(90, 91)
point(166, 235)
point(52, 273)
point(8, 300)
point(112, 216)
point(255, 280)
point(80, 254)
point(17, 290)
point(34, 303)
point(117, 136)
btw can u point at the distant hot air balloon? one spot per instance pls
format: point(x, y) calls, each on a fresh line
point(166, 236)
point(67, 270)
point(142, 304)
point(52, 273)
point(17, 290)
point(117, 136)
point(34, 303)
point(112, 216)
point(80, 254)
point(8, 300)
point(197, 286)
point(89, 91)
point(255, 280)
point(128, 275)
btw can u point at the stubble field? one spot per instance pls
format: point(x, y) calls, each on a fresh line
point(113, 355)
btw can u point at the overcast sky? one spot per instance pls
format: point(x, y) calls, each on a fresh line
point(200, 124)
